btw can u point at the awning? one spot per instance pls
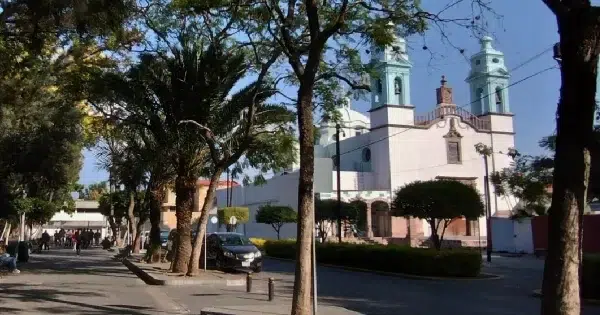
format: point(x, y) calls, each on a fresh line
point(76, 224)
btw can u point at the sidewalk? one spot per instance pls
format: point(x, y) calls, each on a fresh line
point(158, 274)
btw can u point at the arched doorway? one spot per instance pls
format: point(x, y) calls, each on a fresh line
point(381, 222)
point(362, 224)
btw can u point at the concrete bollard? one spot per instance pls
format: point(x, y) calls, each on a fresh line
point(271, 289)
point(248, 282)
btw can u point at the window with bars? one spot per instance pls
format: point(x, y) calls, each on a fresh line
point(454, 152)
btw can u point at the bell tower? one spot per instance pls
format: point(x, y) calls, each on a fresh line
point(391, 83)
point(488, 81)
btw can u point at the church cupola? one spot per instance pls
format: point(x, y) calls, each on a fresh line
point(391, 83)
point(488, 80)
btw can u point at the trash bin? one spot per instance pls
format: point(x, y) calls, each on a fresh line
point(11, 249)
point(23, 252)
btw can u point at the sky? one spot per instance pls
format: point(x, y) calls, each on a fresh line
point(521, 30)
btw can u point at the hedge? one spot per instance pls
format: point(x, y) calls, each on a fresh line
point(590, 273)
point(398, 259)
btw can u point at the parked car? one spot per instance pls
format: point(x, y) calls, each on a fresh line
point(230, 250)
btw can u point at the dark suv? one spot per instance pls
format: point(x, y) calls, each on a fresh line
point(233, 251)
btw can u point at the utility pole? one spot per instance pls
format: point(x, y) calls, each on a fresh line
point(485, 151)
point(338, 175)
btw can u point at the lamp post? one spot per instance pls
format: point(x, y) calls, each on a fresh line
point(22, 225)
point(488, 212)
point(338, 176)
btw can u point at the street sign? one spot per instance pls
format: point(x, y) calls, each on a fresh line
point(214, 220)
point(232, 220)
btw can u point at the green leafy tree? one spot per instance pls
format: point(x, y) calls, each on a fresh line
point(527, 182)
point(438, 202)
point(276, 216)
point(320, 42)
point(119, 203)
point(93, 191)
point(326, 211)
point(241, 214)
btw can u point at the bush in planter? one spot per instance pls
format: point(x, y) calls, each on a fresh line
point(415, 261)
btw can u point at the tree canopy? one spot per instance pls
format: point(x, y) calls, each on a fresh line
point(438, 202)
point(276, 216)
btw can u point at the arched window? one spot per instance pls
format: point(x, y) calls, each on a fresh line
point(397, 86)
point(499, 100)
point(379, 87)
point(398, 91)
point(480, 100)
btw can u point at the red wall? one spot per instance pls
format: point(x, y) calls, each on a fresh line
point(591, 233)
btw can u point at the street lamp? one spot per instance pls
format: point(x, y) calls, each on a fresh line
point(338, 175)
point(557, 55)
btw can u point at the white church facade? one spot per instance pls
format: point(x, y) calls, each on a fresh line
point(394, 145)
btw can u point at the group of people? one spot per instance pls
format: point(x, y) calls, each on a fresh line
point(76, 239)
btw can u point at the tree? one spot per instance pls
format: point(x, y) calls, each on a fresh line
point(276, 216)
point(241, 214)
point(526, 182)
point(438, 202)
point(120, 203)
point(93, 191)
point(320, 42)
point(326, 212)
point(578, 27)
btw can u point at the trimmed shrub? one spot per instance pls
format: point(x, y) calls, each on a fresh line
point(590, 273)
point(258, 242)
point(399, 259)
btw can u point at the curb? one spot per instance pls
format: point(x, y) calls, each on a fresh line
point(538, 293)
point(149, 279)
point(488, 276)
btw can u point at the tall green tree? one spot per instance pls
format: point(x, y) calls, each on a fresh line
point(321, 42)
point(578, 24)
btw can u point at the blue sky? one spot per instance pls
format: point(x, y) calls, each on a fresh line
point(525, 29)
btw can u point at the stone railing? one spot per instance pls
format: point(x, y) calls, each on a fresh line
point(443, 110)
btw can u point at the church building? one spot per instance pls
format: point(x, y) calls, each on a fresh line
point(395, 144)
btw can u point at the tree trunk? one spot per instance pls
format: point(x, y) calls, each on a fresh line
point(137, 240)
point(154, 198)
point(435, 239)
point(194, 265)
point(574, 125)
point(131, 220)
point(185, 187)
point(115, 230)
point(301, 302)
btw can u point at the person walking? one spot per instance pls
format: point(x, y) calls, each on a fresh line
point(74, 238)
point(97, 236)
point(45, 240)
point(77, 242)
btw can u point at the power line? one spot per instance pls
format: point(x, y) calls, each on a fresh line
point(407, 129)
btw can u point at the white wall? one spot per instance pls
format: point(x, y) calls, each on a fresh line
point(279, 190)
point(513, 236)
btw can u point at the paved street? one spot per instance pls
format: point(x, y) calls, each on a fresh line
point(381, 295)
point(60, 282)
